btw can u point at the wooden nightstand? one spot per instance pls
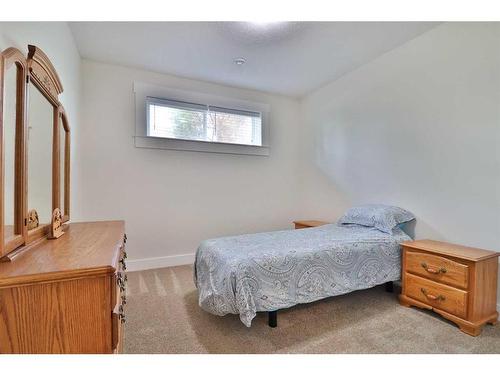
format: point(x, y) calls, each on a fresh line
point(457, 282)
point(300, 224)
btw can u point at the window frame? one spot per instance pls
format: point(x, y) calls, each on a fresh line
point(142, 140)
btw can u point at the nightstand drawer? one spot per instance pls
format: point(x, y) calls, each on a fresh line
point(437, 295)
point(437, 268)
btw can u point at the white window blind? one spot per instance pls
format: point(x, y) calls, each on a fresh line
point(175, 119)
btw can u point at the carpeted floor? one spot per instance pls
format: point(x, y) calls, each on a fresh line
point(163, 317)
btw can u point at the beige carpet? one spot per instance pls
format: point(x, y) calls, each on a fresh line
point(163, 317)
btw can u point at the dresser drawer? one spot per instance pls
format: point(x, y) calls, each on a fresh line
point(437, 268)
point(440, 296)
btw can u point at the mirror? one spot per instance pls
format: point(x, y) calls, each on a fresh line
point(63, 145)
point(40, 137)
point(9, 144)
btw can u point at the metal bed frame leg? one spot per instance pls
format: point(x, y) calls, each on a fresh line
point(389, 287)
point(273, 319)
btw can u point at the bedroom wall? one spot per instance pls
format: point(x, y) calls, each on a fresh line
point(56, 40)
point(172, 200)
point(418, 127)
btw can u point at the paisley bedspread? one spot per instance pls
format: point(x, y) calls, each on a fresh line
point(274, 270)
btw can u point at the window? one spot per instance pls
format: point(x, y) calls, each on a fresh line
point(174, 119)
point(199, 122)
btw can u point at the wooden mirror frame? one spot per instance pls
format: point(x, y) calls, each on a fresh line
point(43, 76)
point(65, 210)
point(36, 69)
point(12, 58)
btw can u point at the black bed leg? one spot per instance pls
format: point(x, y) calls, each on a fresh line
point(273, 319)
point(389, 287)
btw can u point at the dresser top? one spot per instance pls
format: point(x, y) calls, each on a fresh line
point(90, 248)
point(457, 251)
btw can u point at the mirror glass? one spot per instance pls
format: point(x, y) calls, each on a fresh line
point(40, 134)
point(9, 139)
point(62, 174)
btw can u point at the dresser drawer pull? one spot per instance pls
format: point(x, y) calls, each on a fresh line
point(432, 270)
point(121, 314)
point(120, 281)
point(431, 296)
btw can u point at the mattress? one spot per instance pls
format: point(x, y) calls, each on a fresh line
point(274, 270)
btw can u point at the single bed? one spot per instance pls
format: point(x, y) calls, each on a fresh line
point(270, 271)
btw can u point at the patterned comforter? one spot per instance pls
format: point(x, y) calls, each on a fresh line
point(274, 270)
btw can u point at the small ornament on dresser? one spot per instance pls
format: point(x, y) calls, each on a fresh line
point(33, 221)
point(56, 225)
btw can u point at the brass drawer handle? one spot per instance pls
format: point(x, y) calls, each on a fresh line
point(432, 270)
point(121, 281)
point(122, 287)
point(431, 296)
point(121, 284)
point(121, 314)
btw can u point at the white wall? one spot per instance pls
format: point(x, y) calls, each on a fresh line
point(419, 127)
point(172, 200)
point(56, 40)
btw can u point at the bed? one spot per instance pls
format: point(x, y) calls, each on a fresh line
point(265, 272)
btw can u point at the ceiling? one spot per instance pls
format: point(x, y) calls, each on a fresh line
point(290, 58)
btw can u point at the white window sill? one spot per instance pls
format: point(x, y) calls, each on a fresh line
point(199, 146)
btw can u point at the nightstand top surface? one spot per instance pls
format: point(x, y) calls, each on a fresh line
point(310, 223)
point(457, 251)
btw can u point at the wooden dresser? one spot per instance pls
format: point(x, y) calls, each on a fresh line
point(457, 282)
point(66, 295)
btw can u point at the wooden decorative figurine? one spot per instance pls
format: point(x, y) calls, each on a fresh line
point(56, 225)
point(33, 221)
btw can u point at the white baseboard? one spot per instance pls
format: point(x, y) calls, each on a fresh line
point(159, 262)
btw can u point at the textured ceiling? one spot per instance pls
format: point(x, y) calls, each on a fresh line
point(290, 58)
